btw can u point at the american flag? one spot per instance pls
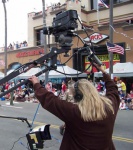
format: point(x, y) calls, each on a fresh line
point(101, 3)
point(115, 48)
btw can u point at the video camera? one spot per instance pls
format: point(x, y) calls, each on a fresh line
point(61, 27)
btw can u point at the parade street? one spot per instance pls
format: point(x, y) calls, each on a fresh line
point(13, 132)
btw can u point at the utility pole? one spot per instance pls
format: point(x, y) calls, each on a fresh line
point(45, 43)
point(111, 38)
point(5, 72)
point(5, 48)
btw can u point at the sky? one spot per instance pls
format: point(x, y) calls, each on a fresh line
point(17, 11)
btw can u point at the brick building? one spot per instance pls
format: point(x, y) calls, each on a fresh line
point(97, 25)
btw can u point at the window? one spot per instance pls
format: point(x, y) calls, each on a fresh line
point(39, 37)
point(119, 1)
point(130, 21)
point(94, 3)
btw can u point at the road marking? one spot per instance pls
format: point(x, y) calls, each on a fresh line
point(8, 103)
point(12, 106)
point(40, 123)
point(57, 127)
point(122, 139)
point(114, 137)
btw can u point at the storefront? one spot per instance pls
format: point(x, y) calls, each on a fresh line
point(16, 58)
point(81, 62)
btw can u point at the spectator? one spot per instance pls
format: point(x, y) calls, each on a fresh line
point(55, 92)
point(10, 46)
point(63, 88)
point(12, 84)
point(3, 88)
point(131, 105)
point(123, 87)
point(119, 86)
point(69, 98)
point(98, 87)
point(19, 95)
point(129, 98)
point(122, 105)
point(7, 86)
point(102, 85)
point(25, 43)
point(17, 45)
point(49, 86)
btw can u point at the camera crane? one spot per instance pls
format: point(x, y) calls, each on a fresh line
point(63, 24)
point(62, 27)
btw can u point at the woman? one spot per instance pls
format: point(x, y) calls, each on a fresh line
point(89, 121)
point(63, 87)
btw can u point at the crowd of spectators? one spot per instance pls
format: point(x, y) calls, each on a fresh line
point(54, 6)
point(126, 98)
point(17, 45)
point(25, 93)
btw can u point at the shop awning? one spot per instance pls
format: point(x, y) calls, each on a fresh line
point(119, 70)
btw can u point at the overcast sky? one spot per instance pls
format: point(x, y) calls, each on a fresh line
point(17, 18)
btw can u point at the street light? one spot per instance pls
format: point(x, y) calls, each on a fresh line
point(5, 49)
point(45, 43)
point(5, 72)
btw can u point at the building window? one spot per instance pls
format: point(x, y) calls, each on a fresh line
point(39, 37)
point(94, 3)
point(130, 21)
point(120, 1)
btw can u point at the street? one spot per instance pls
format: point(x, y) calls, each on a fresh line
point(12, 130)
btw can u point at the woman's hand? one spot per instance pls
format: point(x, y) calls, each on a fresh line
point(34, 80)
point(100, 68)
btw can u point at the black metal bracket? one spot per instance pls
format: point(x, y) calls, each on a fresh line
point(52, 55)
point(18, 118)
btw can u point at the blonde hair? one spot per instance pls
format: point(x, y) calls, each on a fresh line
point(92, 106)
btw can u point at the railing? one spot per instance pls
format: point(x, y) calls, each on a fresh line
point(58, 8)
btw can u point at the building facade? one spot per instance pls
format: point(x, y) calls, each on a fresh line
point(96, 22)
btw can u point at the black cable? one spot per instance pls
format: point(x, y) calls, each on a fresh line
point(69, 58)
point(86, 33)
point(65, 73)
point(77, 59)
point(62, 66)
point(17, 141)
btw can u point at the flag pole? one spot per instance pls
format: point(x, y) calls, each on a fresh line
point(111, 39)
point(97, 13)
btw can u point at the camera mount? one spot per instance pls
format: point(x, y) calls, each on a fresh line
point(18, 118)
